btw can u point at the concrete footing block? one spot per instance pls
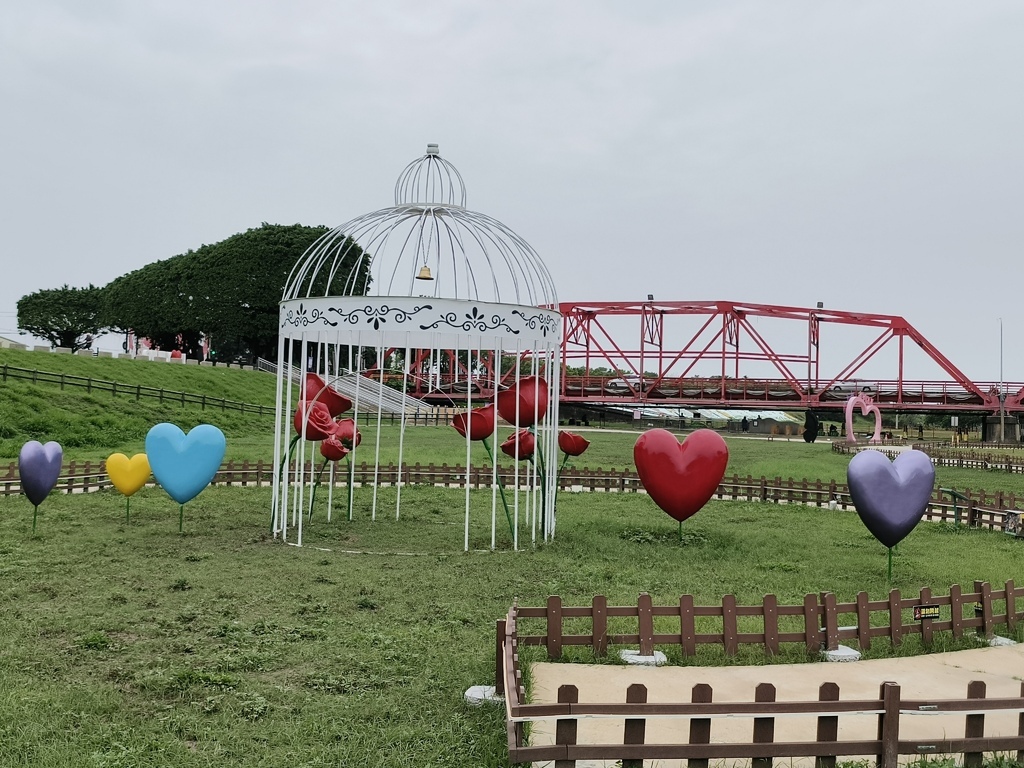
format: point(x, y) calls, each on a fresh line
point(842, 653)
point(634, 657)
point(478, 695)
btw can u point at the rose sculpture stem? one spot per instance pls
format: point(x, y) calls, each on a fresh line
point(565, 460)
point(35, 513)
point(181, 518)
point(501, 489)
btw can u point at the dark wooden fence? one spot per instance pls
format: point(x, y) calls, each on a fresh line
point(132, 390)
point(943, 455)
point(819, 622)
point(977, 509)
point(761, 748)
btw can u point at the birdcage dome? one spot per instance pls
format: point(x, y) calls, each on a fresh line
point(422, 305)
point(429, 244)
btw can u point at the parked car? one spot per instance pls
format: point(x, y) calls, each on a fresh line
point(844, 389)
point(625, 385)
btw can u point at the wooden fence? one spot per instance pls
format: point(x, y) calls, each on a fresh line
point(977, 509)
point(819, 622)
point(132, 390)
point(942, 455)
point(761, 748)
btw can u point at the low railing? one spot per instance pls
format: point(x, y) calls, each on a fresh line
point(761, 748)
point(818, 622)
point(132, 390)
point(961, 458)
point(976, 509)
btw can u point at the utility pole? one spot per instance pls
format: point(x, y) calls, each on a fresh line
point(1002, 397)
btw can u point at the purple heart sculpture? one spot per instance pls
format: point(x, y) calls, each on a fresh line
point(39, 467)
point(890, 496)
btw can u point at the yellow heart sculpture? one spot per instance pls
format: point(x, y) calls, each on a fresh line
point(128, 475)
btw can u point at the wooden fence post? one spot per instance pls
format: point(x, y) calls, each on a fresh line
point(1011, 607)
point(831, 621)
point(925, 598)
point(645, 624)
point(895, 618)
point(985, 590)
point(889, 725)
point(828, 725)
point(635, 730)
point(863, 622)
point(812, 631)
point(956, 611)
point(554, 616)
point(499, 654)
point(764, 727)
point(599, 631)
point(1020, 727)
point(770, 611)
point(700, 727)
point(687, 628)
point(565, 728)
point(730, 630)
point(974, 725)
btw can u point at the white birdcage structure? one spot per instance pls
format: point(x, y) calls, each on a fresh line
point(418, 313)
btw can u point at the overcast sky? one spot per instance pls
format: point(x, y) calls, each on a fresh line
point(865, 154)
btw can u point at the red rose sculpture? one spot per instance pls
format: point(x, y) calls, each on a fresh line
point(520, 445)
point(348, 434)
point(336, 402)
point(525, 403)
point(319, 426)
point(332, 449)
point(479, 423)
point(572, 444)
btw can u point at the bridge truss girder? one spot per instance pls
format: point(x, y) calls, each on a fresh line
point(651, 367)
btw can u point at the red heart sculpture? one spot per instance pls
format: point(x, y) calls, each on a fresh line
point(680, 477)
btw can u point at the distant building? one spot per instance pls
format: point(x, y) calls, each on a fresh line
point(11, 344)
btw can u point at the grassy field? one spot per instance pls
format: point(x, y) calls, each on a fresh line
point(134, 645)
point(131, 644)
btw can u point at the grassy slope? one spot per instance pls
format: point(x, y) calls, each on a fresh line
point(92, 426)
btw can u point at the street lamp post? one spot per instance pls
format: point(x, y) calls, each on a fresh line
point(1002, 396)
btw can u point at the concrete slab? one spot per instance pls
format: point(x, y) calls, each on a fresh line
point(936, 676)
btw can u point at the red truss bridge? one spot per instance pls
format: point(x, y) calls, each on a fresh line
point(737, 355)
point(723, 354)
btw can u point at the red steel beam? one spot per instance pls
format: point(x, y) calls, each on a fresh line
point(588, 341)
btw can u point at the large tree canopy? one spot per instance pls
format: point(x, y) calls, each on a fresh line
point(229, 292)
point(65, 317)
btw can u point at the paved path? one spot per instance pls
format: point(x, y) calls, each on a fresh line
point(936, 676)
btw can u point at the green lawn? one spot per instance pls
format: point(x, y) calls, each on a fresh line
point(134, 645)
point(126, 645)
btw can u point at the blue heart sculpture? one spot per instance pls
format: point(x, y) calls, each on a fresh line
point(890, 496)
point(39, 467)
point(184, 464)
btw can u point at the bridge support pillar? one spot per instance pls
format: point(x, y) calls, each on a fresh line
point(1010, 431)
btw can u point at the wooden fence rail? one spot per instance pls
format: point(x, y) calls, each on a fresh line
point(820, 622)
point(981, 509)
point(963, 458)
point(762, 747)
